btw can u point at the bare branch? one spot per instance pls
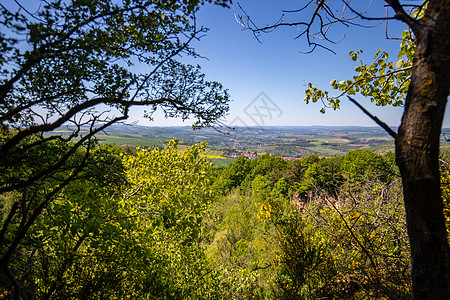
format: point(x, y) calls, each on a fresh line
point(401, 14)
point(375, 119)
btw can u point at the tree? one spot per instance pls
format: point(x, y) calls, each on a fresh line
point(133, 231)
point(417, 139)
point(323, 175)
point(84, 65)
point(169, 194)
point(359, 165)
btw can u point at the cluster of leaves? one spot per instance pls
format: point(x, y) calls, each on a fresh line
point(240, 240)
point(384, 82)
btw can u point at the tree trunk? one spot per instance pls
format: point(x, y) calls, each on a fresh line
point(417, 154)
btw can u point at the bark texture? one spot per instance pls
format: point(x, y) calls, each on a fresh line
point(417, 153)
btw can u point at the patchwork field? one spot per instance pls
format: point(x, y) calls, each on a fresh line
point(289, 142)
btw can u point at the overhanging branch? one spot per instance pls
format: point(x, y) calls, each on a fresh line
point(374, 118)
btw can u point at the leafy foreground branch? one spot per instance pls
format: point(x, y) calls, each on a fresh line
point(82, 65)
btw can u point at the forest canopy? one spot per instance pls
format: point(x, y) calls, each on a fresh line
point(165, 223)
point(89, 221)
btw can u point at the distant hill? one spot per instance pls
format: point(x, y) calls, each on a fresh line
point(286, 141)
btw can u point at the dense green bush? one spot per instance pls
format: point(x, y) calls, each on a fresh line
point(359, 165)
point(323, 175)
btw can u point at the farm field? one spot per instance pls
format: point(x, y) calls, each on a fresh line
point(289, 142)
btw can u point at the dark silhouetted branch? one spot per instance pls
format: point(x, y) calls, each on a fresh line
point(374, 118)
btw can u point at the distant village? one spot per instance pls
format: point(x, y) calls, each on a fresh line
point(250, 155)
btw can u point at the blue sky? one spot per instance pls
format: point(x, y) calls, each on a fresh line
point(275, 67)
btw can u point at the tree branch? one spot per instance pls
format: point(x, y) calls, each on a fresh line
point(63, 160)
point(388, 74)
point(401, 14)
point(12, 142)
point(374, 118)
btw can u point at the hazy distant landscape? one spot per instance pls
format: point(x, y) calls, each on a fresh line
point(284, 141)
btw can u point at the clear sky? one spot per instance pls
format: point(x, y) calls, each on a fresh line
point(276, 68)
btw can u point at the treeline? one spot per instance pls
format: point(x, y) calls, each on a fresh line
point(164, 224)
